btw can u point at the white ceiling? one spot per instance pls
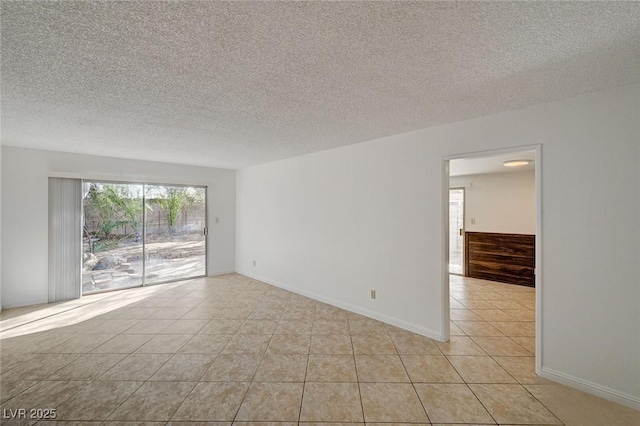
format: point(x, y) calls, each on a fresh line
point(239, 83)
point(491, 164)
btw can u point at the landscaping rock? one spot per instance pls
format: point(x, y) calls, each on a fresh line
point(106, 262)
point(89, 260)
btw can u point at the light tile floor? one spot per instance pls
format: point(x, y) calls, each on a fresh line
point(231, 349)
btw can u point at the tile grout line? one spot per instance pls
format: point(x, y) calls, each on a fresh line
point(306, 371)
point(481, 403)
point(118, 406)
point(541, 403)
point(412, 383)
point(254, 373)
point(171, 355)
point(147, 380)
point(182, 402)
point(494, 360)
point(482, 320)
point(355, 364)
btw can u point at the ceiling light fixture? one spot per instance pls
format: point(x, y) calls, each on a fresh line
point(516, 163)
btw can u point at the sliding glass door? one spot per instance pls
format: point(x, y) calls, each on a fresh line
point(136, 234)
point(175, 240)
point(111, 236)
point(456, 231)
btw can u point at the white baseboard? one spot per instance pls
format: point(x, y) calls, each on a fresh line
point(592, 388)
point(23, 304)
point(423, 331)
point(221, 272)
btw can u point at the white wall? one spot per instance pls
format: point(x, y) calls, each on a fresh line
point(499, 202)
point(25, 175)
point(337, 223)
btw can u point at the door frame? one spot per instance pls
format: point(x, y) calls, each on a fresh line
point(445, 330)
point(464, 220)
point(205, 232)
point(144, 183)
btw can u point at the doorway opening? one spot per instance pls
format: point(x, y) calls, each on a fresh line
point(492, 283)
point(137, 234)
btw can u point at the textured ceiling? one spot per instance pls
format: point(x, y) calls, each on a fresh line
point(241, 83)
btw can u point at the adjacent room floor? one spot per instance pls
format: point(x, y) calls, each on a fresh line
point(232, 349)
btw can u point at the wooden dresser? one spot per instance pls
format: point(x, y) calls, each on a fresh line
point(507, 258)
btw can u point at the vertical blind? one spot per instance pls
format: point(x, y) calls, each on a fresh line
point(65, 239)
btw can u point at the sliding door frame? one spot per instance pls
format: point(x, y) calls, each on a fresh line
point(464, 227)
point(144, 225)
point(205, 231)
point(116, 182)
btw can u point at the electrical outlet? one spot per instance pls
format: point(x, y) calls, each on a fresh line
point(254, 262)
point(373, 294)
point(473, 220)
